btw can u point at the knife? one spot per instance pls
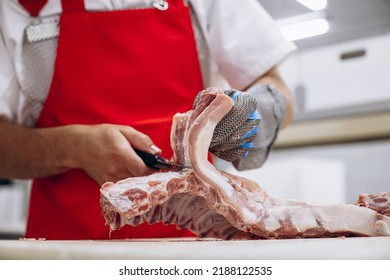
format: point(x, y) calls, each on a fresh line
point(156, 162)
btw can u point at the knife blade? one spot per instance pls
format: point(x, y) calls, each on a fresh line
point(156, 161)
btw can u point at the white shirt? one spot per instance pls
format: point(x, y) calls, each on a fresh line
point(243, 40)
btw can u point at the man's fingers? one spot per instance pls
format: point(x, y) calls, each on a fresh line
point(140, 140)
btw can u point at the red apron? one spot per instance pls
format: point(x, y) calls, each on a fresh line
point(119, 67)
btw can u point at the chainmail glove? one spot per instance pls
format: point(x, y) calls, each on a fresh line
point(234, 135)
point(272, 106)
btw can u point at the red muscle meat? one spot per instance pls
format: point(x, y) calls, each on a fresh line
point(213, 203)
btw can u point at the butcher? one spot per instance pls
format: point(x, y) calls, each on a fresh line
point(84, 84)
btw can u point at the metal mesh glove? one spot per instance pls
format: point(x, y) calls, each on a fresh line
point(234, 134)
point(272, 106)
point(38, 64)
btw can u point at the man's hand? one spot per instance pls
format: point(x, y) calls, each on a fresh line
point(246, 134)
point(233, 136)
point(105, 152)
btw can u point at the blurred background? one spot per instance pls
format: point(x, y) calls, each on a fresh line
point(338, 145)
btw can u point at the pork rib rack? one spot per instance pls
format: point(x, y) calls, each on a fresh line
point(212, 203)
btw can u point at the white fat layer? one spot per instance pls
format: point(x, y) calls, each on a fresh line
point(187, 161)
point(333, 218)
point(348, 218)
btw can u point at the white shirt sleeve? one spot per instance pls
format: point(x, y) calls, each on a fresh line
point(9, 87)
point(243, 39)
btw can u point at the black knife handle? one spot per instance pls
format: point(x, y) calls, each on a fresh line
point(151, 160)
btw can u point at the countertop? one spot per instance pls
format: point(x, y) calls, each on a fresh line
point(198, 249)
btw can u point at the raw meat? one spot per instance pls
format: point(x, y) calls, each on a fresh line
point(379, 202)
point(213, 203)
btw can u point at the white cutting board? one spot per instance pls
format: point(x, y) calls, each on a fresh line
point(321, 248)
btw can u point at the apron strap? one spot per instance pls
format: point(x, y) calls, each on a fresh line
point(33, 7)
point(71, 6)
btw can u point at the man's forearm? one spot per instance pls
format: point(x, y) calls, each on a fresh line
point(31, 153)
point(273, 77)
